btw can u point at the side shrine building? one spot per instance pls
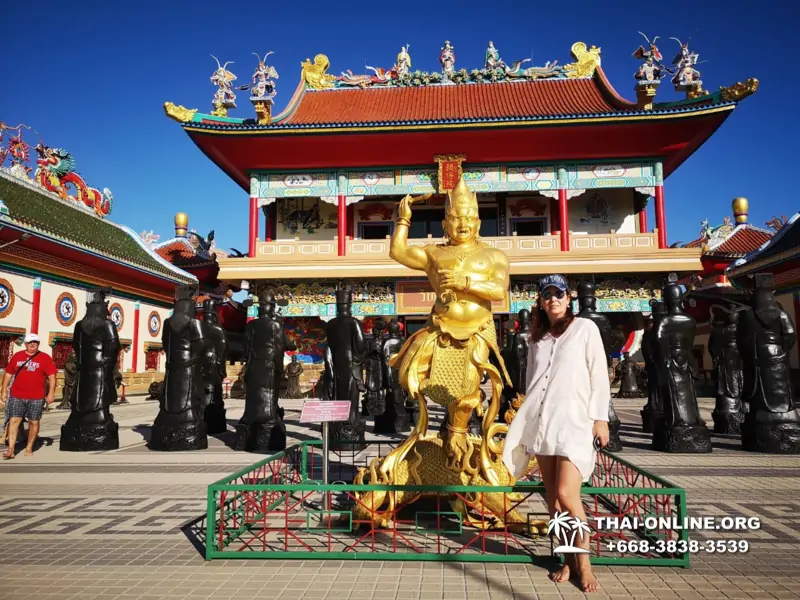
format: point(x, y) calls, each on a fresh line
point(563, 165)
point(56, 244)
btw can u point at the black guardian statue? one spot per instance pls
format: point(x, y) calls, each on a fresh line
point(261, 426)
point(179, 424)
point(765, 336)
point(95, 341)
point(216, 370)
point(397, 415)
point(653, 411)
point(681, 430)
point(347, 349)
point(627, 373)
point(375, 396)
point(292, 372)
point(728, 412)
point(587, 302)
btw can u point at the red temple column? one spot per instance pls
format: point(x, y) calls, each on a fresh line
point(554, 217)
point(253, 226)
point(563, 218)
point(136, 307)
point(342, 225)
point(661, 221)
point(643, 221)
point(37, 301)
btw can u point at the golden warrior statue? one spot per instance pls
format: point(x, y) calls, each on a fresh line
point(445, 361)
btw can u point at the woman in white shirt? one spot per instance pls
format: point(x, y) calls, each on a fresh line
point(565, 409)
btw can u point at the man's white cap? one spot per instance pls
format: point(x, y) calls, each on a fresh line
point(32, 337)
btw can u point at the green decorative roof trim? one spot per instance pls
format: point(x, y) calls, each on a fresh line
point(45, 214)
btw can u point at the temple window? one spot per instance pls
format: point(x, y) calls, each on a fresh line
point(522, 227)
point(375, 231)
point(61, 351)
point(151, 359)
point(6, 350)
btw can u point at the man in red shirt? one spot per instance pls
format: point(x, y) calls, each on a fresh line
point(31, 370)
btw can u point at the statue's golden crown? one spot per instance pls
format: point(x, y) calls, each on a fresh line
point(461, 197)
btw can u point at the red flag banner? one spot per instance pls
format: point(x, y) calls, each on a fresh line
point(449, 171)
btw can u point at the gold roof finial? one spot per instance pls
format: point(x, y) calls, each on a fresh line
point(740, 208)
point(461, 197)
point(181, 224)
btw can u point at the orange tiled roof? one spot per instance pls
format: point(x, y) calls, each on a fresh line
point(742, 241)
point(486, 101)
point(175, 249)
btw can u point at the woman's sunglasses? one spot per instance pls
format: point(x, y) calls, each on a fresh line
point(547, 294)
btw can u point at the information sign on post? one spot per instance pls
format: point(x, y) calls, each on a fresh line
point(316, 410)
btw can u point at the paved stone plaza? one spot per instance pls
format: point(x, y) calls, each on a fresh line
point(123, 525)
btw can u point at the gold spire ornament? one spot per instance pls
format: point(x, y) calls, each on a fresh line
point(444, 362)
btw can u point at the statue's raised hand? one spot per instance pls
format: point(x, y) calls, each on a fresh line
point(404, 210)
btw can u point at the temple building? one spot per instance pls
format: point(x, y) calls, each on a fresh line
point(563, 165)
point(56, 243)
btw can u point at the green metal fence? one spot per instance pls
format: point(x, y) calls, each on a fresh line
point(276, 509)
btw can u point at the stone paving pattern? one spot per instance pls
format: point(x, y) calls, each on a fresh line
point(122, 525)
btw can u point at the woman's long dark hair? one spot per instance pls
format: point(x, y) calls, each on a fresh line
point(541, 324)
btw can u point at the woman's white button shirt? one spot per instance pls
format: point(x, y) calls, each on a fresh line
point(568, 390)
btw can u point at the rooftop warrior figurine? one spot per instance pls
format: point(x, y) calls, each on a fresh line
point(90, 425)
point(765, 336)
point(681, 430)
point(448, 59)
point(445, 361)
point(179, 424)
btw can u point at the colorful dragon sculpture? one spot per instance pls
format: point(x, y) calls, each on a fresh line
point(55, 171)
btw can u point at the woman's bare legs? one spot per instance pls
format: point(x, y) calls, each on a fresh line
point(568, 484)
point(548, 465)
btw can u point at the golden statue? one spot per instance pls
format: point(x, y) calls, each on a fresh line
point(445, 361)
point(180, 113)
point(315, 75)
point(586, 63)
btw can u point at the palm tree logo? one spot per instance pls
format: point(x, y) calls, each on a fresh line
point(563, 523)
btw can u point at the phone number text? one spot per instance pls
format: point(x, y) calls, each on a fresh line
point(679, 546)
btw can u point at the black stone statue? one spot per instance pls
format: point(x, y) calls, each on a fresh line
point(70, 372)
point(728, 412)
point(90, 425)
point(681, 429)
point(347, 349)
point(179, 424)
point(374, 371)
point(627, 373)
point(216, 370)
point(262, 426)
point(292, 372)
point(587, 302)
point(765, 336)
point(653, 411)
point(397, 417)
point(518, 366)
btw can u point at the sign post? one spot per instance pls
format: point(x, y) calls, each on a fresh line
point(316, 410)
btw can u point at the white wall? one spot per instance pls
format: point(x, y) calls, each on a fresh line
point(20, 316)
point(601, 211)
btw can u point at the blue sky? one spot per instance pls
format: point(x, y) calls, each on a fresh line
point(92, 76)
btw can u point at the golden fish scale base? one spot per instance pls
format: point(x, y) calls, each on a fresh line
point(452, 374)
point(425, 465)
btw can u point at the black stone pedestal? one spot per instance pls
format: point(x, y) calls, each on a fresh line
point(88, 437)
point(649, 419)
point(173, 432)
point(726, 422)
point(778, 435)
point(681, 439)
point(214, 417)
point(261, 436)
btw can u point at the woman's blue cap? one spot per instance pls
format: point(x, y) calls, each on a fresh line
point(557, 281)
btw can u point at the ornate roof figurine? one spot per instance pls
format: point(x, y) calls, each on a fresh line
point(403, 64)
point(263, 90)
point(16, 150)
point(687, 78)
point(224, 98)
point(651, 71)
point(447, 58)
point(55, 170)
point(315, 74)
point(493, 60)
point(586, 61)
